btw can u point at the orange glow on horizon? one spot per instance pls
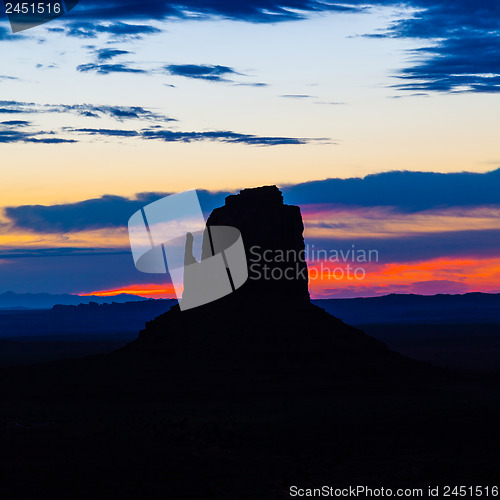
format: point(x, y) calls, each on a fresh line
point(443, 275)
point(147, 290)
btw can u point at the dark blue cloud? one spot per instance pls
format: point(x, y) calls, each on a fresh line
point(214, 73)
point(10, 111)
point(407, 191)
point(209, 72)
point(108, 54)
point(105, 212)
point(119, 113)
point(225, 136)
point(404, 191)
point(222, 136)
point(256, 11)
point(8, 135)
point(106, 132)
point(16, 123)
point(116, 29)
point(464, 55)
point(123, 113)
point(467, 62)
point(106, 69)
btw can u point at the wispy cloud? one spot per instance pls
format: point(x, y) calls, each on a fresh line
point(106, 69)
point(17, 131)
point(214, 73)
point(262, 11)
point(296, 96)
point(330, 103)
point(225, 136)
point(211, 73)
point(13, 130)
point(107, 54)
point(105, 132)
point(120, 30)
point(118, 113)
point(6, 77)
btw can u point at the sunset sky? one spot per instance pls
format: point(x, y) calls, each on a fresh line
point(379, 119)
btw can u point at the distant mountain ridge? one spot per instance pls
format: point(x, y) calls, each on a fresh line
point(82, 321)
point(473, 307)
point(409, 308)
point(12, 300)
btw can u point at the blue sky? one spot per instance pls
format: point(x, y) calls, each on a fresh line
point(352, 91)
point(122, 97)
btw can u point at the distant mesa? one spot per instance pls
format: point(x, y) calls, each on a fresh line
point(11, 300)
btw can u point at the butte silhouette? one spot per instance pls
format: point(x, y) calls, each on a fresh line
point(268, 327)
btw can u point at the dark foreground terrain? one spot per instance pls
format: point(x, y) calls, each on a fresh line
point(164, 440)
point(234, 424)
point(460, 332)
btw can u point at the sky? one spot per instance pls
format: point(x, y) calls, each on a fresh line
point(379, 119)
